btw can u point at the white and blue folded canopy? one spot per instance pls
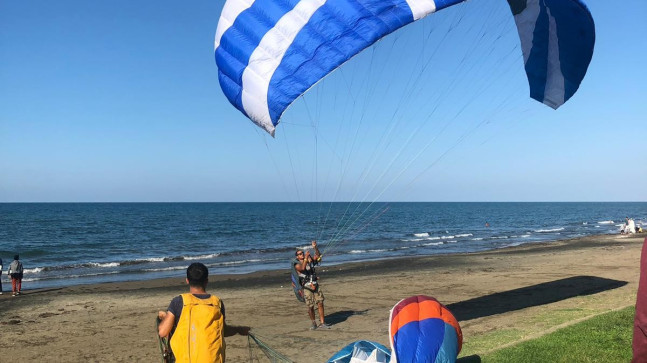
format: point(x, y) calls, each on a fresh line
point(269, 52)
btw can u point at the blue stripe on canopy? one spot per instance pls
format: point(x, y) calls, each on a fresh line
point(441, 4)
point(361, 350)
point(336, 32)
point(241, 39)
point(420, 341)
point(557, 38)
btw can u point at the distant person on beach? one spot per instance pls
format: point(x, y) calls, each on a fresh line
point(15, 271)
point(305, 266)
point(629, 226)
point(487, 224)
point(1, 268)
point(195, 321)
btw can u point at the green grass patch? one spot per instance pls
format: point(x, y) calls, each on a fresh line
point(551, 318)
point(490, 341)
point(604, 338)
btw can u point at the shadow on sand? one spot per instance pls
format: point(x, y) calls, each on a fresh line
point(341, 316)
point(540, 294)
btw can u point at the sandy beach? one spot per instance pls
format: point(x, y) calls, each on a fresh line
point(514, 294)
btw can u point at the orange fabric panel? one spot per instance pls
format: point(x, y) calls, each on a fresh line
point(427, 309)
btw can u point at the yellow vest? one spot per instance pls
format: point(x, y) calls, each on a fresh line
point(199, 335)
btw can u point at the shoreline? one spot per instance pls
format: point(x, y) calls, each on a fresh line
point(263, 277)
point(488, 291)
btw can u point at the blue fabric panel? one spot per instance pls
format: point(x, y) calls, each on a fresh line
point(575, 32)
point(345, 354)
point(420, 341)
point(537, 63)
point(449, 350)
point(441, 4)
point(240, 40)
point(337, 31)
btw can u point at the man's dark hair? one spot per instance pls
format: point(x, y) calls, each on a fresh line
point(197, 274)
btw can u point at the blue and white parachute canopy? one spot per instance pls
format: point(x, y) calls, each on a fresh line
point(362, 351)
point(269, 52)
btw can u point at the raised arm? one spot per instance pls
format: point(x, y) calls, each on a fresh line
point(317, 253)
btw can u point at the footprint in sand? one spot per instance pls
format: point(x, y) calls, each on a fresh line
point(47, 315)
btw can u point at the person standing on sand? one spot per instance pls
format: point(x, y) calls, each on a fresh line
point(1, 268)
point(196, 323)
point(305, 266)
point(15, 271)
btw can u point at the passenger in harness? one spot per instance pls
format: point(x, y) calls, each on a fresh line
point(304, 264)
point(196, 321)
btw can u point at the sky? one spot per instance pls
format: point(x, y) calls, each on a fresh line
point(119, 101)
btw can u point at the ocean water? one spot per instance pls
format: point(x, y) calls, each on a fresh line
point(62, 244)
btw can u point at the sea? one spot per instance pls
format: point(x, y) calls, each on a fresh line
point(63, 244)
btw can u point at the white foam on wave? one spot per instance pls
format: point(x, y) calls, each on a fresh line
point(464, 235)
point(239, 262)
point(477, 239)
point(201, 257)
point(433, 238)
point(104, 264)
point(433, 244)
point(73, 276)
point(32, 270)
point(150, 259)
point(378, 250)
point(425, 234)
point(412, 240)
point(549, 230)
point(606, 222)
point(357, 251)
point(165, 269)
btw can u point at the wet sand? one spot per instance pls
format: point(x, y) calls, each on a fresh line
point(505, 296)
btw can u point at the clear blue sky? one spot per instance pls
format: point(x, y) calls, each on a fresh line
point(119, 101)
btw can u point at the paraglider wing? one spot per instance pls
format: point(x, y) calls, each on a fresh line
point(270, 52)
point(421, 329)
point(557, 40)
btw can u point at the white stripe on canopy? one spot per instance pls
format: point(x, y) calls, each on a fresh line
point(230, 12)
point(267, 57)
point(421, 8)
